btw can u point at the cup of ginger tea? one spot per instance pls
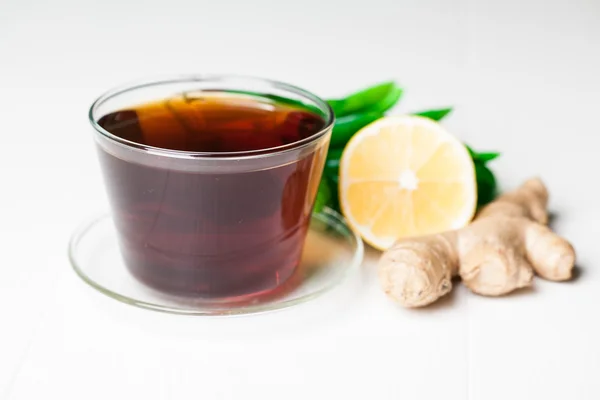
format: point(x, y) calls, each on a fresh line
point(211, 180)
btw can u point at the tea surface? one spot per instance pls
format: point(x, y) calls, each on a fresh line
point(213, 122)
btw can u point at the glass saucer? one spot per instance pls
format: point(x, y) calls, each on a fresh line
point(331, 252)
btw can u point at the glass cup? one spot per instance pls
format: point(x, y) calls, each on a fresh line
point(215, 225)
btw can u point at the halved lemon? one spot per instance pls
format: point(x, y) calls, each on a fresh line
point(405, 176)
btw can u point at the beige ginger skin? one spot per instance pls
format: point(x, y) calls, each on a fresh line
point(494, 255)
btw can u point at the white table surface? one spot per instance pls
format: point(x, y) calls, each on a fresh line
point(524, 78)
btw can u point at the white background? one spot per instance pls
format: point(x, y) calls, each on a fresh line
point(524, 78)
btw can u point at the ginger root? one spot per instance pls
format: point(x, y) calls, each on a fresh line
point(496, 254)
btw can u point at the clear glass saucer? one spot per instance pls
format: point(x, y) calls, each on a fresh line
point(331, 252)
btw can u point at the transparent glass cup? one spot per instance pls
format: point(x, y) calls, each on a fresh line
point(214, 225)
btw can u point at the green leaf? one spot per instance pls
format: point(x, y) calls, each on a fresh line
point(435, 115)
point(346, 127)
point(377, 98)
point(332, 168)
point(486, 184)
point(334, 154)
point(486, 157)
point(483, 157)
point(324, 196)
point(387, 102)
point(331, 173)
point(486, 181)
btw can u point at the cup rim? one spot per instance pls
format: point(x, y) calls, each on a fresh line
point(181, 154)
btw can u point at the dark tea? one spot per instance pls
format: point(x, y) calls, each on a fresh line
point(214, 232)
